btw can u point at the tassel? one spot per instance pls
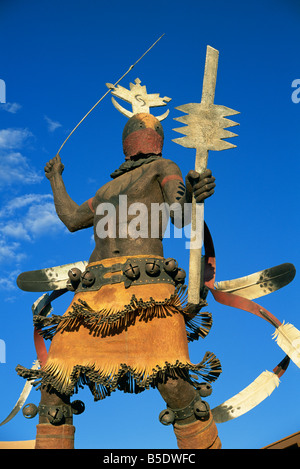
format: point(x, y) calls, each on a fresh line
point(248, 398)
point(198, 326)
point(288, 339)
point(210, 367)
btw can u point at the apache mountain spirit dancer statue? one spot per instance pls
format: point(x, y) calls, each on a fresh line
point(129, 323)
point(126, 327)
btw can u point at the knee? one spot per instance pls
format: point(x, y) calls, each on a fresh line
point(176, 393)
point(184, 403)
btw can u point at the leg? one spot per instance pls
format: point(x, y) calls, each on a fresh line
point(178, 394)
point(55, 429)
point(192, 431)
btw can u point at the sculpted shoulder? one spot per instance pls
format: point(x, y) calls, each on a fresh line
point(166, 166)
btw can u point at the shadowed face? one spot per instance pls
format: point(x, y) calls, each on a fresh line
point(142, 135)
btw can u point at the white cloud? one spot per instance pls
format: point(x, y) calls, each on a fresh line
point(42, 219)
point(24, 200)
point(25, 219)
point(9, 251)
point(11, 299)
point(11, 139)
point(10, 107)
point(16, 169)
point(15, 230)
point(8, 283)
point(28, 217)
point(52, 125)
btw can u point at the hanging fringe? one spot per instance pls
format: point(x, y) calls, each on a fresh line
point(288, 339)
point(108, 321)
point(198, 326)
point(68, 378)
point(210, 367)
point(125, 378)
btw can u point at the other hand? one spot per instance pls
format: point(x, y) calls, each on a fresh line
point(201, 185)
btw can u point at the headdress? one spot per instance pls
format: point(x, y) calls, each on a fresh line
point(143, 133)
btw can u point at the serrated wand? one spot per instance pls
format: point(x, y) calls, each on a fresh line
point(204, 131)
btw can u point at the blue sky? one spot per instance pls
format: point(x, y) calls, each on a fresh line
point(55, 60)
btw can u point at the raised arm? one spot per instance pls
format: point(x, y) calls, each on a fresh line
point(74, 216)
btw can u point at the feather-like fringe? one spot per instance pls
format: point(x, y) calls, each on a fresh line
point(123, 377)
point(109, 321)
point(199, 326)
point(67, 379)
point(288, 339)
point(248, 398)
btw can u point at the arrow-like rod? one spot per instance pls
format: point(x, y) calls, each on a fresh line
point(105, 94)
point(208, 95)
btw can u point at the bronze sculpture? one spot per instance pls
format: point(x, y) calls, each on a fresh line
point(114, 315)
point(114, 304)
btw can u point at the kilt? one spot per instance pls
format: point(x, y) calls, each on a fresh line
point(120, 338)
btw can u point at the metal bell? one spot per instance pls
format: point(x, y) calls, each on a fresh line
point(180, 276)
point(201, 409)
point(55, 416)
point(205, 389)
point(70, 286)
point(74, 274)
point(131, 270)
point(152, 267)
point(29, 411)
point(78, 407)
point(170, 265)
point(166, 417)
point(87, 278)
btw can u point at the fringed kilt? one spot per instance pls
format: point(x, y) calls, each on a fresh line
point(122, 338)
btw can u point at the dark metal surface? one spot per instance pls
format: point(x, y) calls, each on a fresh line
point(197, 408)
point(135, 271)
point(56, 414)
point(30, 411)
point(205, 389)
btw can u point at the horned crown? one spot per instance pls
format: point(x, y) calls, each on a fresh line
point(139, 99)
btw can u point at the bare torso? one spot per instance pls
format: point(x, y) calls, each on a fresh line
point(125, 227)
point(132, 224)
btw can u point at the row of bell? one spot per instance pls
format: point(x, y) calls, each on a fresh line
point(153, 269)
point(131, 271)
point(201, 408)
point(55, 414)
